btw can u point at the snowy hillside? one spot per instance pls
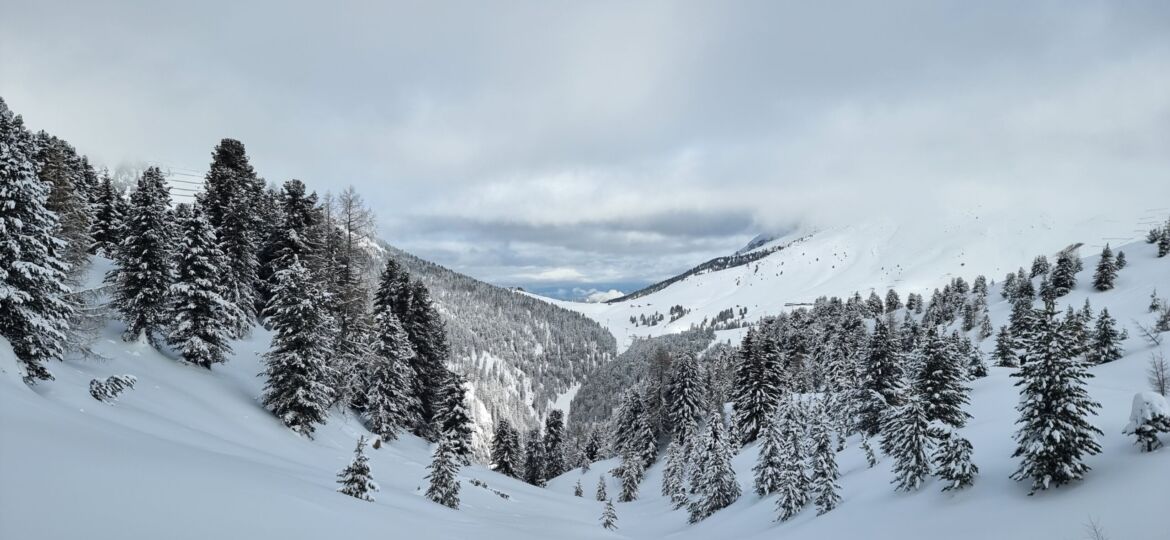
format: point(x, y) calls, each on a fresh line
point(189, 453)
point(902, 254)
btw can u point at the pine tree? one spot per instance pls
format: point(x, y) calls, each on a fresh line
point(534, 459)
point(34, 306)
point(1055, 434)
point(296, 390)
point(387, 387)
point(633, 434)
point(452, 419)
point(686, 398)
point(1039, 266)
point(1121, 262)
point(202, 319)
point(554, 436)
point(893, 303)
point(107, 223)
point(232, 190)
point(824, 469)
point(1023, 287)
point(609, 516)
point(632, 471)
point(601, 495)
point(794, 482)
point(444, 485)
point(907, 439)
point(1164, 240)
point(881, 379)
point(505, 451)
point(769, 458)
point(577, 490)
point(674, 475)
point(1005, 345)
point(940, 382)
point(1106, 342)
point(355, 479)
point(952, 461)
point(295, 236)
point(718, 487)
point(1106, 270)
point(143, 273)
point(870, 458)
point(757, 385)
point(67, 175)
point(1064, 276)
point(429, 339)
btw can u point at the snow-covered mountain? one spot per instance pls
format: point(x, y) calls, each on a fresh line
point(190, 453)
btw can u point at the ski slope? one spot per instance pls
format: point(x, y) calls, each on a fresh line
point(901, 254)
point(190, 454)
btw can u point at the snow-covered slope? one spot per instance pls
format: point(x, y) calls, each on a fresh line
point(189, 453)
point(903, 254)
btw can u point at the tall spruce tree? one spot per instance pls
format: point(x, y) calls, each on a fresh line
point(107, 223)
point(674, 475)
point(295, 236)
point(718, 487)
point(794, 481)
point(534, 459)
point(906, 437)
point(67, 174)
point(444, 481)
point(758, 384)
point(429, 339)
point(1005, 349)
point(452, 418)
point(1106, 272)
point(34, 306)
point(940, 381)
point(1039, 266)
point(505, 451)
point(824, 468)
point(296, 390)
point(143, 272)
point(1055, 434)
point(881, 379)
point(1106, 340)
point(769, 460)
point(554, 443)
point(387, 390)
point(355, 479)
point(686, 398)
point(632, 471)
point(232, 190)
point(201, 318)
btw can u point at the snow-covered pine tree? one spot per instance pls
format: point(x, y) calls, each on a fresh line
point(142, 272)
point(387, 386)
point(633, 434)
point(600, 494)
point(952, 461)
point(295, 236)
point(1164, 240)
point(554, 443)
point(578, 491)
point(632, 471)
point(893, 303)
point(823, 482)
point(674, 475)
point(201, 318)
point(794, 481)
point(534, 459)
point(107, 223)
point(985, 329)
point(1106, 340)
point(429, 339)
point(296, 391)
point(770, 457)
point(1024, 290)
point(870, 458)
point(1005, 349)
point(758, 381)
point(34, 306)
point(1106, 272)
point(718, 486)
point(355, 479)
point(874, 304)
point(1039, 266)
point(940, 381)
point(1055, 434)
point(452, 419)
point(231, 191)
point(686, 398)
point(906, 437)
point(67, 175)
point(444, 482)
point(505, 451)
point(609, 516)
point(881, 379)
point(1120, 262)
point(1064, 274)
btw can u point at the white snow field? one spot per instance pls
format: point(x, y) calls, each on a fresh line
point(190, 454)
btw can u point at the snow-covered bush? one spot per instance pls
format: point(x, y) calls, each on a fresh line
point(1149, 416)
point(109, 389)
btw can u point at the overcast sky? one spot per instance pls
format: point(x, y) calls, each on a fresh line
point(585, 144)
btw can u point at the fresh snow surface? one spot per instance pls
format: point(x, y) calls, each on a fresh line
point(189, 453)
